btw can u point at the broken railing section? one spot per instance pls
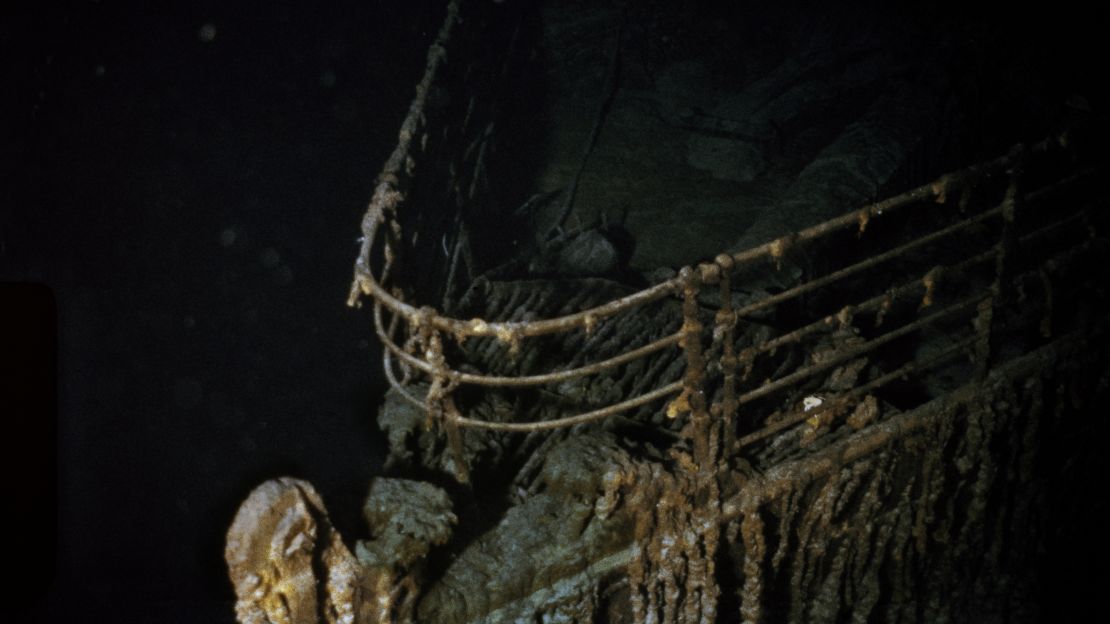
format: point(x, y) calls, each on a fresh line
point(445, 142)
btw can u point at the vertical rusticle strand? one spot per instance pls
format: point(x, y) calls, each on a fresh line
point(454, 439)
point(1011, 212)
point(812, 544)
point(638, 571)
point(869, 543)
point(440, 404)
point(900, 554)
point(672, 579)
point(788, 511)
point(751, 595)
point(983, 324)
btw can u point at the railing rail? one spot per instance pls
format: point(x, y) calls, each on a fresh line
point(717, 377)
point(421, 352)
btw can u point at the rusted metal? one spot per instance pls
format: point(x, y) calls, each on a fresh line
point(876, 303)
point(387, 201)
point(579, 419)
point(932, 190)
point(692, 400)
point(724, 333)
point(508, 331)
point(439, 403)
point(855, 394)
point(726, 313)
point(1000, 291)
point(779, 480)
point(389, 193)
point(693, 397)
point(387, 365)
point(848, 354)
point(864, 265)
point(523, 380)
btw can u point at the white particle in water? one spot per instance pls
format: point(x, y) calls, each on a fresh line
point(207, 32)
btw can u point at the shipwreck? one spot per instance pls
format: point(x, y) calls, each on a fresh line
point(670, 341)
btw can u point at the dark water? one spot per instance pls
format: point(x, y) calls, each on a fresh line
point(190, 183)
point(186, 181)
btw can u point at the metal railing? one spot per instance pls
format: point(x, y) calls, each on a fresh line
point(421, 351)
point(979, 272)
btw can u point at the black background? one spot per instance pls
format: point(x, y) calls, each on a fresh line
point(190, 366)
point(178, 221)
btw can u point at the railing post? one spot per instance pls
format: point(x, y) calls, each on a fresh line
point(702, 589)
point(725, 331)
point(693, 381)
point(439, 403)
point(1007, 244)
point(1003, 265)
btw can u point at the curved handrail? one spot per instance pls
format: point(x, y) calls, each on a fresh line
point(426, 321)
point(460, 377)
point(387, 198)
